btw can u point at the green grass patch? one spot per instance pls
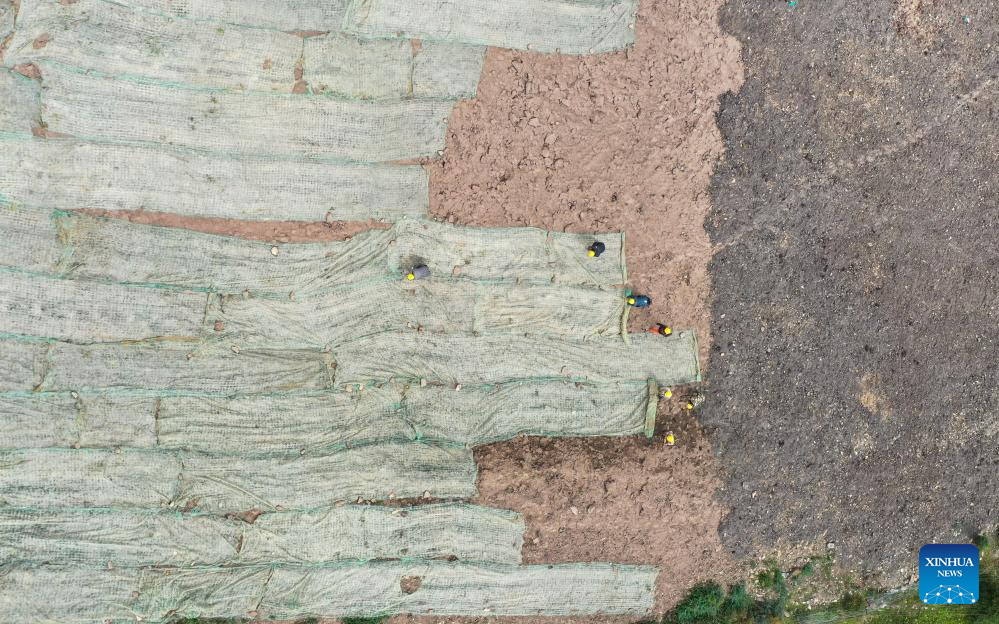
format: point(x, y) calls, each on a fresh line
point(709, 603)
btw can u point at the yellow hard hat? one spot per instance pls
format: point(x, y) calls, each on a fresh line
point(667, 331)
point(670, 439)
point(591, 253)
point(411, 276)
point(690, 405)
point(631, 300)
point(667, 393)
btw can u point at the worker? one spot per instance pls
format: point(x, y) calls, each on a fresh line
point(420, 271)
point(667, 393)
point(669, 438)
point(639, 301)
point(659, 328)
point(596, 249)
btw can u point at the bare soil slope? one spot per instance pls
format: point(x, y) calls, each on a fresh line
point(856, 305)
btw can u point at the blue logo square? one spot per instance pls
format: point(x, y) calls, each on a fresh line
point(948, 574)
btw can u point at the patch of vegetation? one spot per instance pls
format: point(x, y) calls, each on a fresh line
point(364, 620)
point(708, 603)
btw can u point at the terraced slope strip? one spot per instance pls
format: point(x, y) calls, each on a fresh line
point(114, 39)
point(69, 174)
point(291, 591)
point(97, 107)
point(97, 249)
point(317, 422)
point(140, 538)
point(569, 26)
point(57, 478)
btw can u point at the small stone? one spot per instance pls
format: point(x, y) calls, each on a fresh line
point(457, 388)
point(235, 349)
point(275, 251)
point(423, 383)
point(574, 510)
point(426, 494)
point(831, 545)
point(74, 395)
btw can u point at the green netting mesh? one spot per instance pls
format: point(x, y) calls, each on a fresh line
point(44, 306)
point(275, 124)
point(447, 68)
point(68, 174)
point(434, 306)
point(23, 365)
point(107, 249)
point(63, 419)
point(287, 15)
point(101, 35)
point(213, 367)
point(232, 483)
point(319, 422)
point(568, 26)
point(18, 103)
point(7, 16)
point(286, 592)
point(120, 41)
point(462, 358)
point(379, 68)
point(52, 478)
point(37, 305)
point(123, 538)
point(227, 484)
point(79, 311)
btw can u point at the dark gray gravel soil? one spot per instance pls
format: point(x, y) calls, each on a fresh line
point(854, 382)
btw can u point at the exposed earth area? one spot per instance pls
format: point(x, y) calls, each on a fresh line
point(855, 306)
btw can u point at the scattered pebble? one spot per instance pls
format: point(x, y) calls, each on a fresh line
point(275, 251)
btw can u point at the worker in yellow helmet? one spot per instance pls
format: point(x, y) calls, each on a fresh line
point(669, 439)
point(420, 271)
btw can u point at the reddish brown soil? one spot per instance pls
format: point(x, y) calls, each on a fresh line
point(277, 231)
